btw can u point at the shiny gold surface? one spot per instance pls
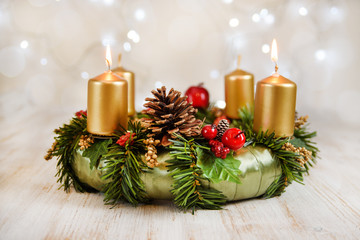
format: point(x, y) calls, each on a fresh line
point(275, 103)
point(130, 78)
point(107, 104)
point(239, 92)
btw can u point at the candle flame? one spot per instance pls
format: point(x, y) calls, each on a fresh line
point(108, 57)
point(274, 53)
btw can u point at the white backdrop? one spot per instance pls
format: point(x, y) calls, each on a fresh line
point(50, 48)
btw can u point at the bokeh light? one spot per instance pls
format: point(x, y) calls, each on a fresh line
point(234, 22)
point(49, 45)
point(265, 48)
point(24, 44)
point(43, 61)
point(320, 55)
point(303, 11)
point(140, 14)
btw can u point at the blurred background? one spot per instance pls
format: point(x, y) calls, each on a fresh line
point(50, 48)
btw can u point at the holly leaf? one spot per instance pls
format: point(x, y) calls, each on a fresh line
point(217, 169)
point(297, 142)
point(96, 150)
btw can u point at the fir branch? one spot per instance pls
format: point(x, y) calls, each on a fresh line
point(291, 169)
point(187, 189)
point(67, 143)
point(302, 138)
point(245, 123)
point(206, 114)
point(123, 166)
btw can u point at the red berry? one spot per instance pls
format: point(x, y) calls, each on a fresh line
point(233, 138)
point(213, 142)
point(198, 96)
point(224, 152)
point(218, 148)
point(209, 132)
point(80, 113)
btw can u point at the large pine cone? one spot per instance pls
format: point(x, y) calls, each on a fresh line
point(171, 114)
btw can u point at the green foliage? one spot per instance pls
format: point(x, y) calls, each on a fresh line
point(67, 140)
point(206, 114)
point(245, 123)
point(96, 150)
point(217, 169)
point(302, 138)
point(191, 162)
point(291, 169)
point(187, 189)
point(123, 166)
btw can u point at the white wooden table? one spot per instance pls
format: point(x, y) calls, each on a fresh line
point(32, 207)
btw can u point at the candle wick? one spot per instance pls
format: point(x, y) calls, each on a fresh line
point(238, 61)
point(108, 64)
point(119, 60)
point(276, 67)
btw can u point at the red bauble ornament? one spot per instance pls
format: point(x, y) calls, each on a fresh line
point(233, 138)
point(209, 131)
point(218, 119)
point(198, 96)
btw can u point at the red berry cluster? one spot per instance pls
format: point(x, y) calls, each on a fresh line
point(210, 132)
point(233, 138)
point(125, 138)
point(219, 149)
point(80, 113)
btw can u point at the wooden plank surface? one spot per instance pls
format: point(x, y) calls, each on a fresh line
point(32, 207)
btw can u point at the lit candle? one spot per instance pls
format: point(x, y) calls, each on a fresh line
point(130, 78)
point(275, 102)
point(239, 91)
point(107, 102)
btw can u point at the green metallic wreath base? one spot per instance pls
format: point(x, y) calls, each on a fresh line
point(258, 170)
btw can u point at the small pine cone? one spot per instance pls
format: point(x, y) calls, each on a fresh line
point(299, 122)
point(85, 142)
point(57, 131)
point(151, 155)
point(303, 152)
point(221, 128)
point(49, 155)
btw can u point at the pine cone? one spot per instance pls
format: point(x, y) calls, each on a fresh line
point(221, 128)
point(170, 114)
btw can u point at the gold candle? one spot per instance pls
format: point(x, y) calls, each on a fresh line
point(107, 102)
point(275, 102)
point(239, 91)
point(130, 78)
